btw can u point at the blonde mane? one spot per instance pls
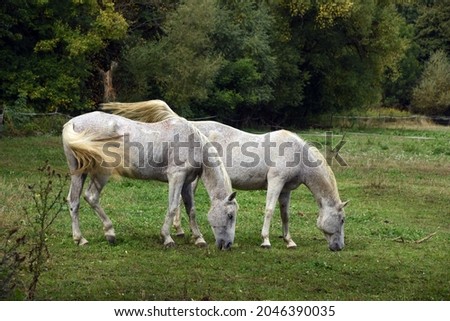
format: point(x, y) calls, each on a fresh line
point(150, 111)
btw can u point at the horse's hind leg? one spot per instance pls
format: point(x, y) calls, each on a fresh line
point(188, 198)
point(76, 186)
point(177, 222)
point(284, 200)
point(92, 196)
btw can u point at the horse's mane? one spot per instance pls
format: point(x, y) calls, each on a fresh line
point(150, 111)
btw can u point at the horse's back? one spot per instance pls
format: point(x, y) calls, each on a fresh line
point(251, 158)
point(109, 123)
point(145, 150)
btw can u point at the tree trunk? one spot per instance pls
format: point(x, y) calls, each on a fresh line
point(109, 93)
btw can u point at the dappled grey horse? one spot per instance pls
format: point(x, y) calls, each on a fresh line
point(278, 161)
point(100, 145)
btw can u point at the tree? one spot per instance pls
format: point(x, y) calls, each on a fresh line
point(433, 27)
point(244, 83)
point(398, 90)
point(432, 94)
point(288, 86)
point(181, 65)
point(48, 47)
point(345, 49)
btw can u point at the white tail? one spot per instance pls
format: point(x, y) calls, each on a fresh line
point(88, 150)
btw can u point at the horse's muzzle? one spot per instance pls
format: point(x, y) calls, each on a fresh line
point(224, 245)
point(336, 246)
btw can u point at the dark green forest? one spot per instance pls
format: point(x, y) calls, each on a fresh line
point(274, 62)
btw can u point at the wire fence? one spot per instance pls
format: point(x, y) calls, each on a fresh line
point(2, 115)
point(380, 120)
point(336, 120)
point(18, 123)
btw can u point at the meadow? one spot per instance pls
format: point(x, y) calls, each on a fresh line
point(397, 231)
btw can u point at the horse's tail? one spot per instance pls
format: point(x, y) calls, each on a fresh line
point(89, 150)
point(150, 111)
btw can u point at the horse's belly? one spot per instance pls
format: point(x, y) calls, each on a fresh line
point(249, 181)
point(250, 187)
point(144, 173)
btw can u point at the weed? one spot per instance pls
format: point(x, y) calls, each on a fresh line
point(26, 244)
point(48, 202)
point(378, 182)
point(11, 263)
point(441, 150)
point(383, 145)
point(411, 147)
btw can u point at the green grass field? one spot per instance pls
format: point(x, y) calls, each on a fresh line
point(398, 184)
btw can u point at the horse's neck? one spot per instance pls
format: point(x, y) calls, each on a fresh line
point(322, 184)
point(214, 174)
point(216, 181)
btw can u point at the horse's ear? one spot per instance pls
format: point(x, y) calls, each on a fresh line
point(344, 204)
point(232, 197)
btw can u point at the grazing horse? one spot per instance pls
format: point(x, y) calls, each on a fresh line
point(100, 145)
point(278, 161)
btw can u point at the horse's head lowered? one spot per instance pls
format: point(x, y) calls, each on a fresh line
point(331, 221)
point(222, 217)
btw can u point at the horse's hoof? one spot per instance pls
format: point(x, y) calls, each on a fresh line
point(266, 246)
point(291, 244)
point(169, 245)
point(81, 241)
point(180, 235)
point(111, 239)
point(201, 244)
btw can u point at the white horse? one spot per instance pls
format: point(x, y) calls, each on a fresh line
point(278, 161)
point(173, 151)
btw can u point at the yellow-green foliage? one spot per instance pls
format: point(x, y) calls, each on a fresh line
point(329, 11)
point(108, 25)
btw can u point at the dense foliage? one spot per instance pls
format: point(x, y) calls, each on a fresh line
point(274, 62)
point(49, 49)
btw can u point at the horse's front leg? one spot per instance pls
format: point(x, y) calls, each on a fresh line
point(175, 186)
point(274, 187)
point(188, 198)
point(284, 200)
point(177, 219)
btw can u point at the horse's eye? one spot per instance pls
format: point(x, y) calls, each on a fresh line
point(230, 216)
point(343, 220)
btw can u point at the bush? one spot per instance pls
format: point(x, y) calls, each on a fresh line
point(28, 125)
point(432, 94)
point(19, 119)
